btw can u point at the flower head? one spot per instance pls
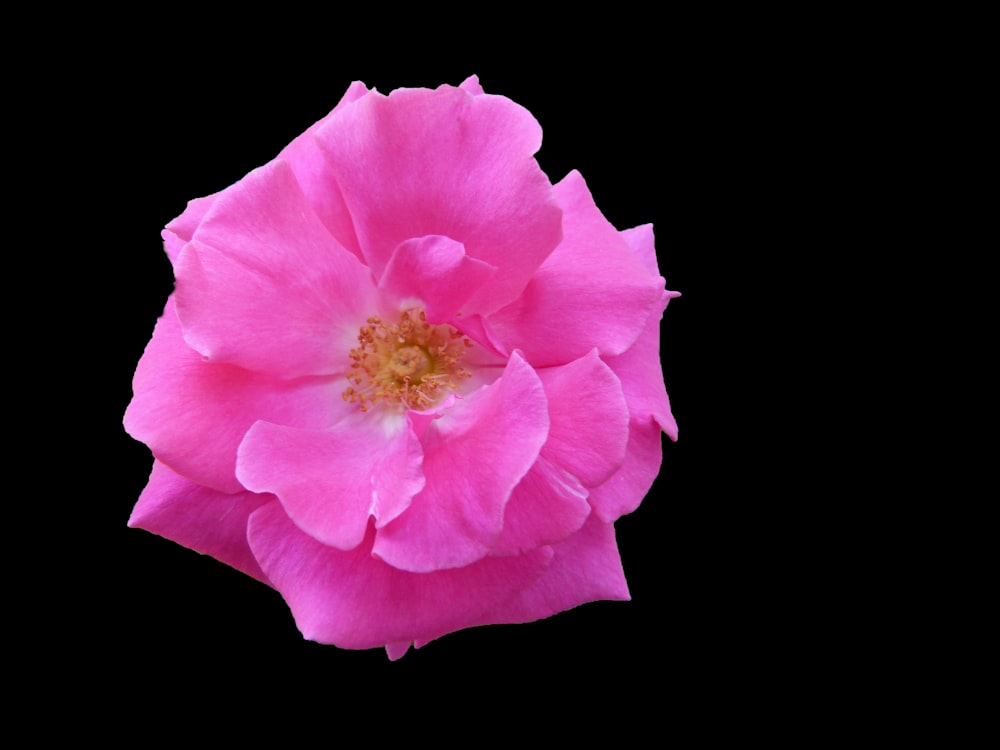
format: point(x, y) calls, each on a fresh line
point(404, 379)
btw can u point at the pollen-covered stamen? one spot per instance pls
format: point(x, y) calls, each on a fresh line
point(412, 362)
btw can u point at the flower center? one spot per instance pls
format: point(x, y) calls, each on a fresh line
point(412, 362)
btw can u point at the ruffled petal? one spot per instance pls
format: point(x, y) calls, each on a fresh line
point(317, 180)
point(330, 482)
point(471, 85)
point(193, 414)
point(356, 601)
point(547, 506)
point(586, 567)
point(474, 455)
point(589, 419)
point(264, 285)
point(627, 487)
point(180, 231)
point(199, 518)
point(435, 273)
point(590, 292)
point(446, 162)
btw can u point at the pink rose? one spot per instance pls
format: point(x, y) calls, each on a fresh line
point(404, 379)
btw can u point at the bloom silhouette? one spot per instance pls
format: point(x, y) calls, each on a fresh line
point(404, 379)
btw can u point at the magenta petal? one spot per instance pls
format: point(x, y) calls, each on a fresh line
point(434, 273)
point(210, 522)
point(641, 241)
point(330, 481)
point(446, 162)
point(546, 506)
point(180, 231)
point(589, 419)
point(471, 85)
point(590, 292)
point(317, 180)
point(474, 455)
point(396, 651)
point(265, 286)
point(193, 414)
point(626, 488)
point(356, 601)
point(586, 567)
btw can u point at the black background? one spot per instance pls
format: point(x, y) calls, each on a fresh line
point(661, 122)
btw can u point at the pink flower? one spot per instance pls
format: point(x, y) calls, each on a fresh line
point(404, 379)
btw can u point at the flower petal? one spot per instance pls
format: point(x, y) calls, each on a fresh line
point(586, 567)
point(193, 414)
point(589, 419)
point(180, 231)
point(446, 162)
point(627, 487)
point(317, 180)
point(265, 286)
point(356, 601)
point(330, 481)
point(474, 455)
point(547, 506)
point(210, 522)
point(435, 272)
point(590, 292)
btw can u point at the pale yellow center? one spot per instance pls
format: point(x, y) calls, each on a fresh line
point(410, 363)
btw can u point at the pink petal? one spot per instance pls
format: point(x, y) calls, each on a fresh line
point(193, 414)
point(265, 286)
point(474, 456)
point(317, 180)
point(445, 162)
point(199, 518)
point(356, 601)
point(640, 240)
point(435, 273)
point(180, 231)
point(330, 481)
point(589, 419)
point(590, 292)
point(625, 490)
point(471, 85)
point(586, 567)
point(546, 506)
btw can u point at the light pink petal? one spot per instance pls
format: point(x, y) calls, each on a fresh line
point(474, 455)
point(445, 162)
point(330, 481)
point(265, 286)
point(180, 231)
point(471, 85)
point(210, 522)
point(317, 180)
point(396, 651)
point(623, 492)
point(193, 414)
point(435, 273)
point(589, 419)
point(590, 292)
point(586, 567)
point(641, 242)
point(641, 374)
point(546, 506)
point(353, 600)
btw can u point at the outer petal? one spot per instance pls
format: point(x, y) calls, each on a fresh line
point(331, 481)
point(586, 568)
point(589, 419)
point(474, 455)
point(180, 231)
point(591, 292)
point(436, 272)
point(199, 518)
point(446, 162)
point(354, 600)
point(317, 180)
point(547, 506)
point(263, 284)
point(193, 414)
